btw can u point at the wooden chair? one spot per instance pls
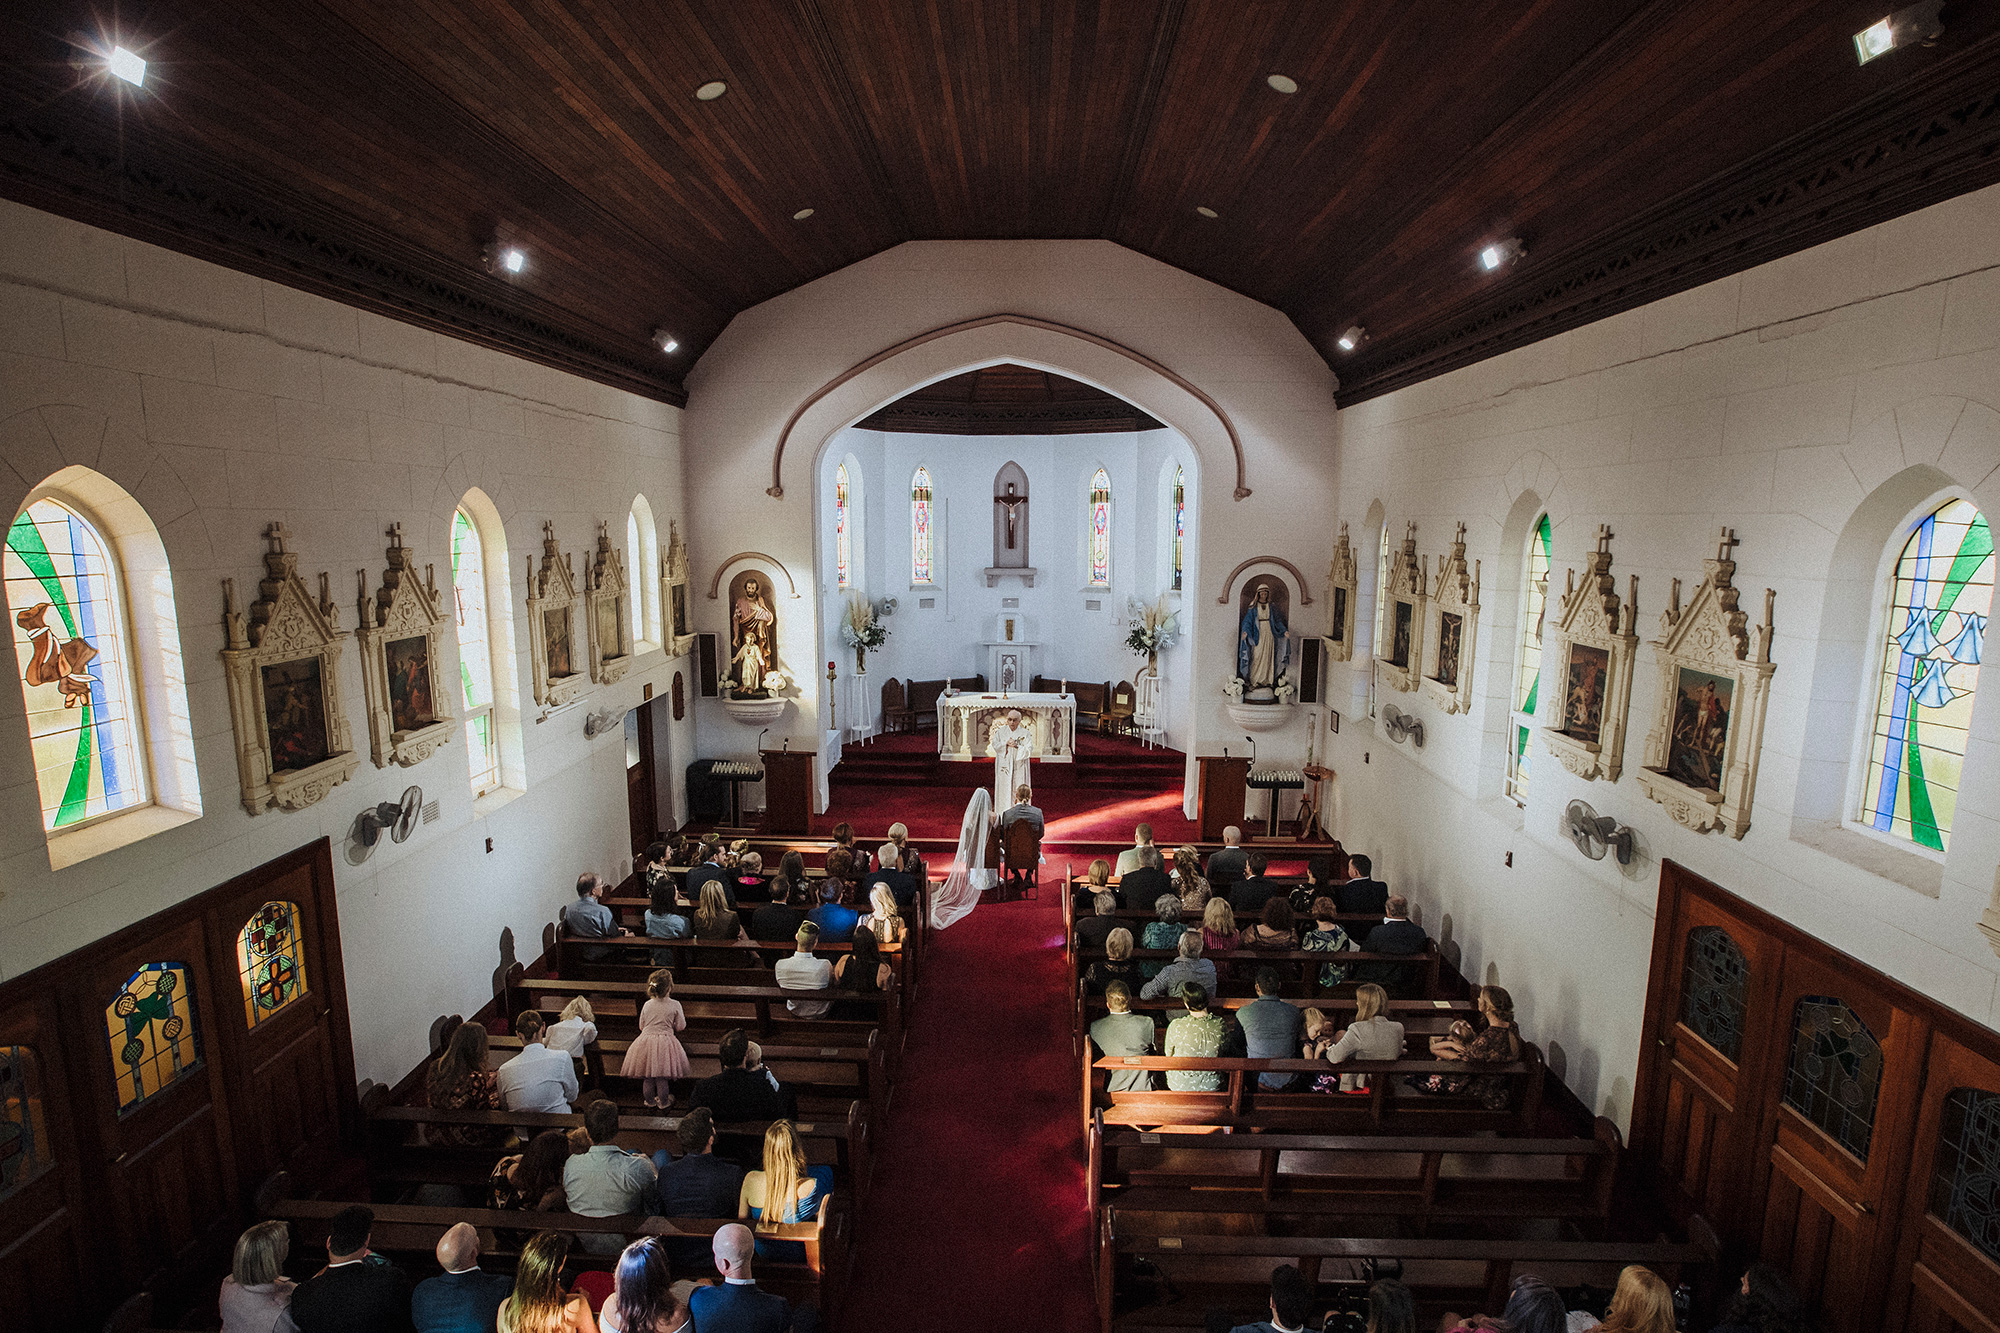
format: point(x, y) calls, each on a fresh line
point(1022, 859)
point(1090, 697)
point(923, 701)
point(1120, 710)
point(895, 707)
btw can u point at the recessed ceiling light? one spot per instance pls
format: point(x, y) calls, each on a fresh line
point(1353, 338)
point(1501, 253)
point(664, 341)
point(802, 215)
point(708, 92)
point(127, 66)
point(1282, 84)
point(1206, 211)
point(1918, 23)
point(505, 259)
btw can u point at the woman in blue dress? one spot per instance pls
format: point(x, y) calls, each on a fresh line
point(786, 1175)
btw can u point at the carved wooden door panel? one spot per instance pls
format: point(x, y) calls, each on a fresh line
point(44, 1222)
point(641, 802)
point(1947, 1271)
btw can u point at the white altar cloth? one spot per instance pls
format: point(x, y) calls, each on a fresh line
point(964, 721)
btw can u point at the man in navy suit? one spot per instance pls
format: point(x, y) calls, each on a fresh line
point(462, 1299)
point(1361, 895)
point(710, 870)
point(737, 1306)
point(1291, 1302)
point(1396, 935)
point(697, 1184)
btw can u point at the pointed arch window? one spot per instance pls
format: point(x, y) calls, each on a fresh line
point(475, 651)
point(1100, 529)
point(1528, 655)
point(1180, 522)
point(843, 535)
point(1939, 596)
point(921, 570)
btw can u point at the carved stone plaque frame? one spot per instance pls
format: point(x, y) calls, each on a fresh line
point(401, 610)
point(1700, 649)
point(1341, 583)
point(1451, 630)
point(1593, 622)
point(676, 595)
point(1404, 596)
point(607, 617)
point(282, 664)
point(553, 605)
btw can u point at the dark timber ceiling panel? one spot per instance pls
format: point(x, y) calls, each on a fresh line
point(369, 149)
point(1009, 400)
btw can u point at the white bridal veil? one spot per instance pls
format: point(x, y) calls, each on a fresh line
point(959, 893)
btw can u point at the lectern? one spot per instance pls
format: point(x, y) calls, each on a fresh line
point(1220, 794)
point(788, 791)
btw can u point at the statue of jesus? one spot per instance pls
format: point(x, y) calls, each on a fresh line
point(1009, 744)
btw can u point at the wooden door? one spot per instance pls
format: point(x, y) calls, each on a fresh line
point(1947, 1270)
point(281, 1019)
point(640, 782)
point(44, 1225)
point(1842, 1096)
point(1709, 1044)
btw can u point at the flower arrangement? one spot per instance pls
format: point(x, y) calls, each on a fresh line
point(1153, 629)
point(863, 627)
point(1233, 688)
point(1284, 689)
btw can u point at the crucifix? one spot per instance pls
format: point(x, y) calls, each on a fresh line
point(1724, 543)
point(1013, 502)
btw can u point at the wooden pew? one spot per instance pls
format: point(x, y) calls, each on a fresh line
point(1401, 1176)
point(740, 961)
point(1421, 1019)
point(758, 1009)
point(1297, 968)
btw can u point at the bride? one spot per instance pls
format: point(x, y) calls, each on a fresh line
point(959, 893)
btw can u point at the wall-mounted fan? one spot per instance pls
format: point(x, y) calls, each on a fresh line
point(1595, 834)
point(1401, 726)
point(398, 817)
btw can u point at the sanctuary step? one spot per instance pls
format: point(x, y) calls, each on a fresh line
point(1102, 762)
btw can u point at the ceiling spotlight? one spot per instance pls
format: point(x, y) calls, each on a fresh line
point(665, 341)
point(1206, 211)
point(127, 66)
point(1911, 26)
point(1501, 253)
point(1353, 338)
point(505, 259)
point(802, 215)
point(1280, 83)
point(711, 90)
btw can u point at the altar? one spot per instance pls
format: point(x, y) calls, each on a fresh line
point(965, 721)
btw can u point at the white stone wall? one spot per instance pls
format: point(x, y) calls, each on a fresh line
point(1812, 404)
point(224, 402)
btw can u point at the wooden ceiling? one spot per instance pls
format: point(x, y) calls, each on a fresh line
point(1009, 400)
point(370, 149)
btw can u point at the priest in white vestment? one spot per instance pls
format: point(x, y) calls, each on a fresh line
point(1009, 743)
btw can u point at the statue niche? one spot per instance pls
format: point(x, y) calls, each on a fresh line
point(1010, 527)
point(1263, 645)
point(753, 634)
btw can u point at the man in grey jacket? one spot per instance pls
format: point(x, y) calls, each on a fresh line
point(1122, 1032)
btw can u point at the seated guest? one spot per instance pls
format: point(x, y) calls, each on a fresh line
point(357, 1291)
point(606, 1181)
point(1319, 884)
point(538, 1303)
point(1188, 969)
point(664, 918)
point(739, 1093)
point(1163, 933)
point(589, 918)
point(257, 1291)
point(864, 971)
point(902, 884)
point(1396, 935)
point(1189, 881)
point(575, 1029)
point(843, 840)
point(1023, 808)
point(800, 970)
point(1230, 864)
point(709, 871)
point(1218, 926)
point(656, 1056)
point(1291, 1302)
point(1093, 930)
point(1116, 965)
point(1532, 1307)
point(1122, 1032)
point(643, 1298)
point(461, 1299)
point(749, 879)
point(899, 835)
point(733, 858)
point(1275, 931)
point(792, 866)
point(1096, 880)
point(695, 1184)
point(460, 1081)
point(538, 1079)
point(834, 918)
point(1249, 894)
point(1497, 1043)
point(1391, 1307)
point(1361, 895)
point(1765, 1302)
point(532, 1179)
point(779, 919)
point(716, 918)
point(1371, 1036)
point(1195, 1033)
point(1326, 935)
point(1641, 1303)
point(737, 1306)
point(839, 865)
point(1147, 881)
point(883, 917)
point(788, 1189)
point(1128, 860)
point(1270, 1028)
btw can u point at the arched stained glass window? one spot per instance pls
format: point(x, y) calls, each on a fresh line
point(1528, 656)
point(475, 652)
point(1940, 593)
point(1180, 521)
point(920, 528)
point(24, 1129)
point(1834, 1075)
point(150, 1026)
point(270, 962)
point(642, 573)
point(843, 536)
point(1714, 987)
point(74, 656)
point(1965, 1187)
point(1100, 529)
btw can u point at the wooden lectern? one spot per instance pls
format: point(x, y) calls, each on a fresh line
point(1220, 794)
point(788, 791)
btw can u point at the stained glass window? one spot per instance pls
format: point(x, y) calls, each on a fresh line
point(1939, 595)
point(24, 1133)
point(843, 538)
point(72, 652)
point(1528, 655)
point(1180, 521)
point(1712, 990)
point(1100, 530)
point(1965, 1187)
point(1835, 1071)
point(150, 1026)
point(475, 655)
point(269, 961)
point(920, 527)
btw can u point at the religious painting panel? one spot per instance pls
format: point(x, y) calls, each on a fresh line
point(410, 702)
point(1701, 724)
point(554, 597)
point(1451, 636)
point(1454, 606)
point(270, 962)
point(1403, 589)
point(295, 714)
point(1340, 587)
point(607, 602)
point(558, 637)
point(402, 643)
point(1596, 646)
point(753, 633)
point(1583, 692)
point(674, 573)
point(150, 1026)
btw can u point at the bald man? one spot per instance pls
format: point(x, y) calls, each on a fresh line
point(737, 1306)
point(462, 1299)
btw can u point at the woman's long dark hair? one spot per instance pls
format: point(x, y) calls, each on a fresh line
point(645, 1286)
point(464, 1055)
point(1534, 1307)
point(659, 890)
point(1770, 1306)
point(865, 961)
point(1391, 1308)
point(542, 1165)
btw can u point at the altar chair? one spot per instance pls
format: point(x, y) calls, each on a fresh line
point(896, 714)
point(1119, 711)
point(1022, 863)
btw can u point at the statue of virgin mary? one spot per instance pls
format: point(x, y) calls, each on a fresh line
point(1261, 649)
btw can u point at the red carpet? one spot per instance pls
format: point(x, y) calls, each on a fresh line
point(976, 1220)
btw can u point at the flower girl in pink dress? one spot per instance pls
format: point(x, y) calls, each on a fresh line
point(656, 1055)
